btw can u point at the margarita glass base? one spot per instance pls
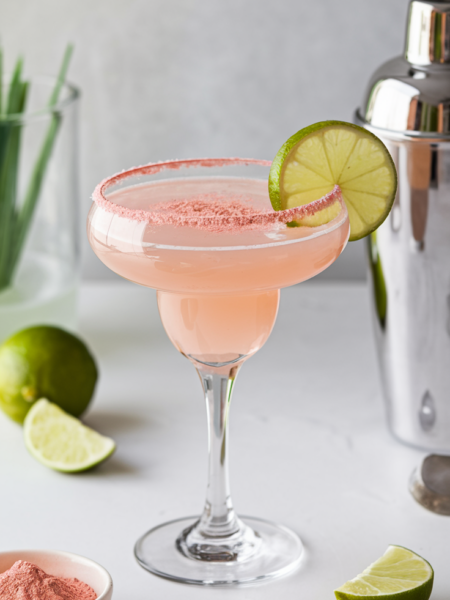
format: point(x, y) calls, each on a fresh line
point(278, 553)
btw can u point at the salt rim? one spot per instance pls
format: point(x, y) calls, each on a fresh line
point(212, 222)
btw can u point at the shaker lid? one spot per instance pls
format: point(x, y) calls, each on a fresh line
point(428, 33)
point(411, 94)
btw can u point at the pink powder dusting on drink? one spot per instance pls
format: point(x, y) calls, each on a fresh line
point(210, 212)
point(231, 213)
point(25, 581)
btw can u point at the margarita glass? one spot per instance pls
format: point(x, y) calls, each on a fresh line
point(204, 235)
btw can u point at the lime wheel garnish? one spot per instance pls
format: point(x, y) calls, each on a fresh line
point(316, 159)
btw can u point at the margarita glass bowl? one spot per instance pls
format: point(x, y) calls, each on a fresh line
point(204, 235)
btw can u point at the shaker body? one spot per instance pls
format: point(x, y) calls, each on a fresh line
point(407, 104)
point(409, 278)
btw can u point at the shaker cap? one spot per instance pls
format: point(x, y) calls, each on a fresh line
point(428, 33)
point(410, 94)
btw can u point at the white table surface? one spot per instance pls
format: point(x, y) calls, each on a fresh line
point(309, 448)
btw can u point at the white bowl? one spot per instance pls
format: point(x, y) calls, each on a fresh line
point(64, 564)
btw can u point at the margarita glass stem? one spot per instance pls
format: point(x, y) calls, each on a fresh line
point(219, 535)
point(218, 518)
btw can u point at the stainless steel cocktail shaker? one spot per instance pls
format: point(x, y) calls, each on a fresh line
point(407, 105)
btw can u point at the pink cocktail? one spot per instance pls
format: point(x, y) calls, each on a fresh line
point(203, 233)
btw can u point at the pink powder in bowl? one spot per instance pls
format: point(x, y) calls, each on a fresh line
point(26, 581)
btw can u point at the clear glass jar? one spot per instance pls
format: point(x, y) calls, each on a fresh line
point(39, 223)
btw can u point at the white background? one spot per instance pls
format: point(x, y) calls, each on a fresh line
point(186, 78)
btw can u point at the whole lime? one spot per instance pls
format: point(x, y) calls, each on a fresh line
point(45, 362)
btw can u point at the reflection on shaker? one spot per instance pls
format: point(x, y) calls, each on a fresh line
point(427, 412)
point(419, 169)
point(379, 285)
point(396, 214)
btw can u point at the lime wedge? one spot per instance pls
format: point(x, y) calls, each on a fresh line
point(322, 155)
point(62, 442)
point(398, 575)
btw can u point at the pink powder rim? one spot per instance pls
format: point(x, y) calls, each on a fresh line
point(261, 219)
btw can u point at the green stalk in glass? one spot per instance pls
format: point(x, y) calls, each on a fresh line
point(16, 216)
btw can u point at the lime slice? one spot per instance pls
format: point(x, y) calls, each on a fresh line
point(62, 442)
point(399, 574)
point(322, 155)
